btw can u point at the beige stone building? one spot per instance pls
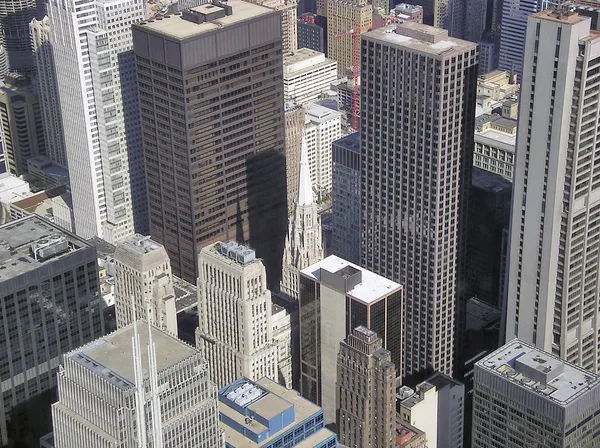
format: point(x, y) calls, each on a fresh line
point(342, 16)
point(366, 392)
point(294, 128)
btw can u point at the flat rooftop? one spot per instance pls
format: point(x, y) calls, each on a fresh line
point(320, 114)
point(174, 25)
point(304, 60)
point(186, 295)
point(111, 356)
point(540, 373)
point(370, 289)
point(421, 38)
point(491, 182)
point(481, 314)
point(17, 238)
point(139, 244)
point(350, 142)
point(276, 400)
point(566, 17)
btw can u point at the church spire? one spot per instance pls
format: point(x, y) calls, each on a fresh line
point(305, 192)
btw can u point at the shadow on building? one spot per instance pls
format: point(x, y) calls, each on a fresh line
point(31, 420)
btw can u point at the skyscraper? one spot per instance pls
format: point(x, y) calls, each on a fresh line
point(524, 396)
point(15, 16)
point(294, 130)
point(416, 152)
point(234, 314)
point(366, 392)
point(303, 243)
point(343, 16)
point(144, 284)
point(95, 71)
point(512, 33)
point(54, 137)
point(50, 303)
point(107, 395)
point(213, 130)
point(289, 21)
point(552, 298)
point(335, 297)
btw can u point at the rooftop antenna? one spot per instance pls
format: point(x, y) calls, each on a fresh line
point(154, 392)
point(140, 395)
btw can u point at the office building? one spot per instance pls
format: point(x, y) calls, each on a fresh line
point(3, 62)
point(50, 303)
point(512, 34)
point(476, 20)
point(100, 114)
point(323, 126)
point(234, 314)
point(45, 174)
point(310, 34)
point(495, 138)
point(524, 396)
point(366, 391)
point(553, 269)
point(356, 296)
point(222, 121)
point(109, 391)
point(303, 243)
point(488, 54)
point(419, 407)
point(54, 137)
point(450, 410)
point(497, 85)
point(289, 21)
point(345, 197)
point(144, 284)
point(295, 121)
point(343, 16)
point(15, 16)
point(263, 414)
point(306, 74)
point(493, 194)
point(20, 122)
point(413, 228)
point(407, 436)
point(281, 321)
point(409, 12)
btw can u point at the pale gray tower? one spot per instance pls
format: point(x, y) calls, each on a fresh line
point(553, 279)
point(366, 392)
point(234, 314)
point(143, 278)
point(416, 157)
point(303, 243)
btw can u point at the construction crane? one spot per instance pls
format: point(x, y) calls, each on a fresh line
point(355, 33)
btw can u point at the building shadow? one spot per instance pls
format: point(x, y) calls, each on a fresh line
point(31, 420)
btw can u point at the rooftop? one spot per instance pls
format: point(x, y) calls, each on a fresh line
point(439, 380)
point(232, 253)
point(319, 114)
point(491, 182)
point(139, 244)
point(481, 314)
point(304, 60)
point(186, 295)
point(567, 17)
point(30, 242)
point(111, 356)
point(350, 142)
point(539, 372)
point(370, 289)
point(179, 28)
point(12, 188)
point(421, 38)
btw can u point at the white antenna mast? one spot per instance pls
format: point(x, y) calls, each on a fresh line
point(140, 395)
point(154, 392)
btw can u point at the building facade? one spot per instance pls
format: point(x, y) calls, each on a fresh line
point(234, 314)
point(512, 34)
point(366, 392)
point(304, 240)
point(289, 21)
point(323, 126)
point(95, 71)
point(107, 397)
point(553, 268)
point(343, 16)
point(335, 287)
point(20, 122)
point(216, 178)
point(48, 90)
point(451, 410)
point(345, 197)
point(295, 121)
point(310, 34)
point(524, 396)
point(412, 225)
point(281, 321)
point(15, 16)
point(306, 74)
point(144, 284)
point(281, 416)
point(50, 304)
point(495, 138)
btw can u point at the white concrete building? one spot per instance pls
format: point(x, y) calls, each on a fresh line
point(235, 331)
point(306, 74)
point(451, 410)
point(143, 276)
point(494, 150)
point(323, 126)
point(95, 70)
point(554, 269)
point(419, 408)
point(304, 240)
point(282, 336)
point(107, 394)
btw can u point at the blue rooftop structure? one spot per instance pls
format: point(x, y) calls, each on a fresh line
point(264, 414)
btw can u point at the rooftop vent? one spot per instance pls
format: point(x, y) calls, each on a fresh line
point(47, 248)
